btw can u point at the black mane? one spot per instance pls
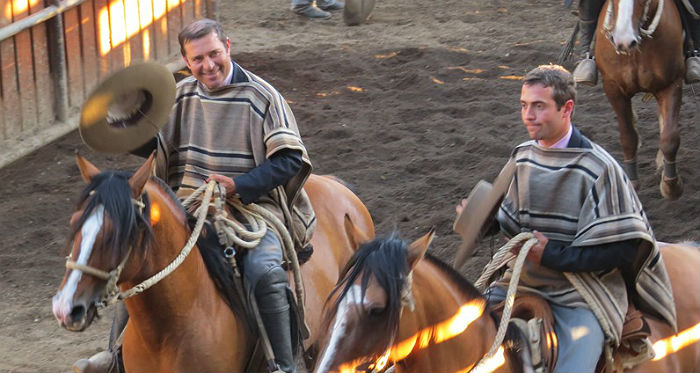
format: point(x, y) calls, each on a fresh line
point(385, 260)
point(111, 190)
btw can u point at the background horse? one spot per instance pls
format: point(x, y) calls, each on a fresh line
point(645, 54)
point(396, 306)
point(182, 323)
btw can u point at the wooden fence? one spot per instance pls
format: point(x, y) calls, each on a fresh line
point(54, 52)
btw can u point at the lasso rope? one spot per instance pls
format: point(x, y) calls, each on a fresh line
point(259, 219)
point(503, 256)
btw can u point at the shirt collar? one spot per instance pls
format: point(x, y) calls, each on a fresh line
point(564, 141)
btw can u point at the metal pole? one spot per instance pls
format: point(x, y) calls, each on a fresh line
point(58, 62)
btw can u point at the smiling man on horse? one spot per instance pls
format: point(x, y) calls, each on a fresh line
point(588, 12)
point(233, 127)
point(596, 251)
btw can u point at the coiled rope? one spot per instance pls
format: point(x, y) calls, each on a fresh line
point(503, 256)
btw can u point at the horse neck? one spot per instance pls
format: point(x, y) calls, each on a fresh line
point(442, 308)
point(189, 283)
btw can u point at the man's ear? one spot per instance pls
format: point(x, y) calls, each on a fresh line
point(568, 109)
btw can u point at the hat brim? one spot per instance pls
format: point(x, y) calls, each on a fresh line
point(482, 205)
point(103, 133)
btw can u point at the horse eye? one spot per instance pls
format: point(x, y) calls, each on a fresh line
point(376, 311)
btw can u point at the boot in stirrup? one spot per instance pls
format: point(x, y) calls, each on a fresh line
point(100, 362)
point(586, 72)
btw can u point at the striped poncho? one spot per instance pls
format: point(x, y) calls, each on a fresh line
point(582, 196)
point(231, 130)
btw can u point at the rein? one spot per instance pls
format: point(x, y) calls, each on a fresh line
point(503, 256)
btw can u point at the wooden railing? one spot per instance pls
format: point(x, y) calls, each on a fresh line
point(53, 54)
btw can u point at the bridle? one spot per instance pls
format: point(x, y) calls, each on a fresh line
point(112, 293)
point(648, 32)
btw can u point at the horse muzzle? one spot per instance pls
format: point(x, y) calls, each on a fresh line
point(75, 317)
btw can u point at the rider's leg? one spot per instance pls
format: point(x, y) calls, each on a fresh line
point(692, 62)
point(105, 361)
point(585, 71)
point(580, 339)
point(262, 268)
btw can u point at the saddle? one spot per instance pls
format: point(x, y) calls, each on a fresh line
point(532, 314)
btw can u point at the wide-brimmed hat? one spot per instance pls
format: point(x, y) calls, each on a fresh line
point(478, 214)
point(128, 108)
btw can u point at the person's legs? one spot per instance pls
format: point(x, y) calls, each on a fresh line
point(580, 339)
point(265, 278)
point(692, 28)
point(308, 9)
point(585, 71)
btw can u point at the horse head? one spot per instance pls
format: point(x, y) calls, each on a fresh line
point(626, 22)
point(366, 304)
point(112, 219)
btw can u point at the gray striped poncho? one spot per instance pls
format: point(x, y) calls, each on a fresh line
point(231, 130)
point(582, 196)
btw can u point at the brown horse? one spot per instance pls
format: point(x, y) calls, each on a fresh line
point(182, 323)
point(645, 54)
point(396, 307)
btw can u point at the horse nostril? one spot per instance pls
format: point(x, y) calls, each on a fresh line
point(633, 44)
point(78, 312)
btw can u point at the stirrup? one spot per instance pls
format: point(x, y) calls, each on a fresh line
point(692, 70)
point(100, 362)
point(586, 72)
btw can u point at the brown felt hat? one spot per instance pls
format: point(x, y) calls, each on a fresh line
point(128, 108)
point(481, 207)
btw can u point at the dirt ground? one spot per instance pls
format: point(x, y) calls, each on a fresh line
point(411, 109)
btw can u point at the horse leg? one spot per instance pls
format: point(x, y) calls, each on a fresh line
point(629, 138)
point(669, 106)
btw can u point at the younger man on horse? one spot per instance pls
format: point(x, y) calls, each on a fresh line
point(588, 12)
point(229, 125)
point(595, 248)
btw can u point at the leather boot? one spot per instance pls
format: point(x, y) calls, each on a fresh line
point(107, 361)
point(271, 295)
point(586, 71)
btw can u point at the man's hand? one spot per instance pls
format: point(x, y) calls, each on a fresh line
point(225, 181)
point(536, 251)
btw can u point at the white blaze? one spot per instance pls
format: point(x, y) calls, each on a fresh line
point(63, 301)
point(353, 296)
point(624, 32)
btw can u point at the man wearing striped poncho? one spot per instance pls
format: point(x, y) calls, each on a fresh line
point(231, 126)
point(596, 251)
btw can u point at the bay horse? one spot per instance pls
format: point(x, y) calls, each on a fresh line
point(182, 323)
point(644, 54)
point(398, 306)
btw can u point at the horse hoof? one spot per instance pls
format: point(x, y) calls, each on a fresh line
point(671, 188)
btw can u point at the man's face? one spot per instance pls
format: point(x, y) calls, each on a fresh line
point(209, 60)
point(543, 121)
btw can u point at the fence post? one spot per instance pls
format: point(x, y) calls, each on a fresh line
point(213, 10)
point(58, 61)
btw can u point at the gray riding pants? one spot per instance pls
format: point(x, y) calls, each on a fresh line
point(579, 334)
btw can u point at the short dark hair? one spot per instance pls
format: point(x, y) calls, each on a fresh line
point(557, 77)
point(199, 29)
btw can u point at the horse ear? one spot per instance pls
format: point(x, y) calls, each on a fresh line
point(138, 180)
point(356, 236)
point(417, 249)
point(87, 169)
